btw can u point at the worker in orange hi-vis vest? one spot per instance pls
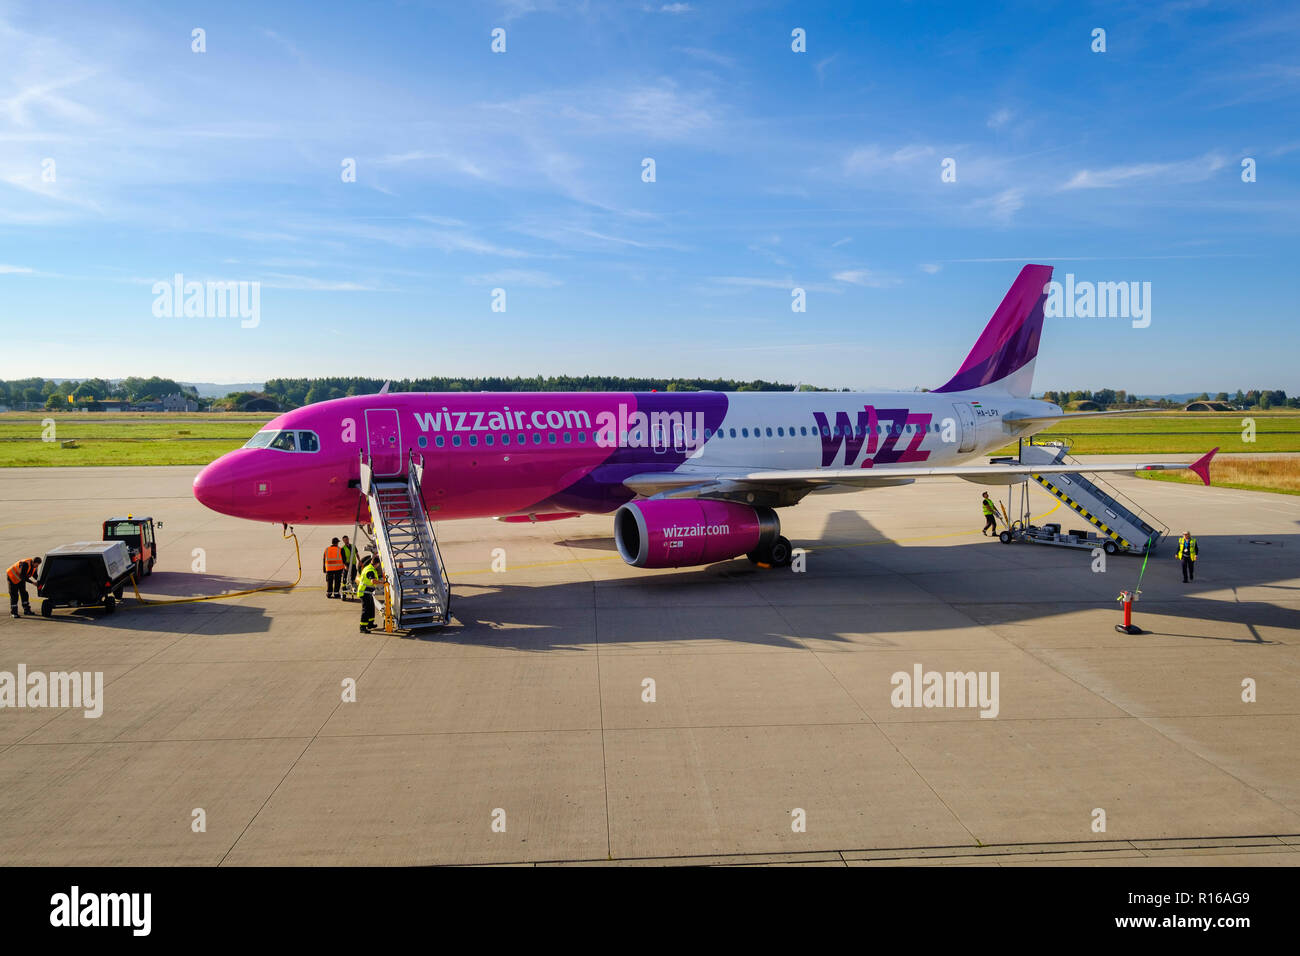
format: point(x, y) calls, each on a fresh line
point(333, 564)
point(19, 573)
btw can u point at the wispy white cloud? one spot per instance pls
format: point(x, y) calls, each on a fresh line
point(766, 248)
point(34, 101)
point(1181, 171)
point(1000, 118)
point(709, 56)
point(283, 280)
point(930, 268)
point(870, 160)
point(524, 277)
point(866, 277)
point(401, 234)
point(460, 164)
point(1002, 206)
point(660, 110)
point(821, 65)
point(758, 282)
point(14, 270)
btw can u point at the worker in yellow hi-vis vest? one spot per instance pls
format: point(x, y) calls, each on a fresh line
point(367, 581)
point(990, 515)
point(1187, 555)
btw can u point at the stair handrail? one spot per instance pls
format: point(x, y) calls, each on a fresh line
point(415, 477)
point(1132, 506)
point(1144, 516)
point(379, 534)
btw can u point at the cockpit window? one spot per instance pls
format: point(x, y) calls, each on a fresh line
point(285, 441)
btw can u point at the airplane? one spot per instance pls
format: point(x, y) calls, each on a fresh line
point(691, 477)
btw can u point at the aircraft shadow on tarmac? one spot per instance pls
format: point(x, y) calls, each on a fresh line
point(162, 585)
point(851, 562)
point(211, 619)
point(217, 617)
point(592, 544)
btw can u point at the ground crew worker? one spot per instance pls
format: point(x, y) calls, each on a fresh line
point(990, 514)
point(367, 581)
point(1187, 555)
point(333, 564)
point(19, 574)
point(349, 553)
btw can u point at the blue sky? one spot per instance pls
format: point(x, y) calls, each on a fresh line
point(774, 169)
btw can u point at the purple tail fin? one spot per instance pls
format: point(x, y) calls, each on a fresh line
point(1004, 355)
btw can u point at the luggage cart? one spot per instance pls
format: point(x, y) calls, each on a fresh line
point(85, 574)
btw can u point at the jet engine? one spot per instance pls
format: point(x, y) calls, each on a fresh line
point(678, 532)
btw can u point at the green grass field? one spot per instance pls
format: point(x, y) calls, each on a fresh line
point(1280, 474)
point(1169, 433)
point(167, 438)
point(163, 438)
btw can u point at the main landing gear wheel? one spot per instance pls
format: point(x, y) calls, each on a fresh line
point(47, 607)
point(778, 554)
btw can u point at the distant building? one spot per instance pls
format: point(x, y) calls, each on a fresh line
point(179, 402)
point(261, 404)
point(175, 402)
point(1208, 407)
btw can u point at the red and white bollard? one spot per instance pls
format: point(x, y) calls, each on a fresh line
point(1128, 627)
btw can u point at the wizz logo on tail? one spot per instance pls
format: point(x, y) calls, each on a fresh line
point(880, 441)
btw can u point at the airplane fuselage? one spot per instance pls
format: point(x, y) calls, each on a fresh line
point(552, 453)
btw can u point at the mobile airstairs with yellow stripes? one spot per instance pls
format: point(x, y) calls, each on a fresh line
point(415, 591)
point(1117, 524)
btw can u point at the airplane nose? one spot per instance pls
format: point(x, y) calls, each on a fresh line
point(214, 489)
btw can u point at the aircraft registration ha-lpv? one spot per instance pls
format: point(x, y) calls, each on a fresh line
point(691, 477)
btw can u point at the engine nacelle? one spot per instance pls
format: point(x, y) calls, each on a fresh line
point(678, 532)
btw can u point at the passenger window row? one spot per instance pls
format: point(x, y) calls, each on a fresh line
point(490, 440)
point(858, 431)
point(568, 438)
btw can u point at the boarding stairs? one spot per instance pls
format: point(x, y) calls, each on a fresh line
point(417, 593)
point(1101, 505)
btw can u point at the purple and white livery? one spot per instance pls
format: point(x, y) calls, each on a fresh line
point(694, 477)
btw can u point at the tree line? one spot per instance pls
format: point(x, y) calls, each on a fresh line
point(51, 393)
point(295, 392)
point(282, 394)
point(1109, 397)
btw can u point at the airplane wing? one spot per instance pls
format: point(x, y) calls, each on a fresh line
point(722, 483)
point(1068, 416)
